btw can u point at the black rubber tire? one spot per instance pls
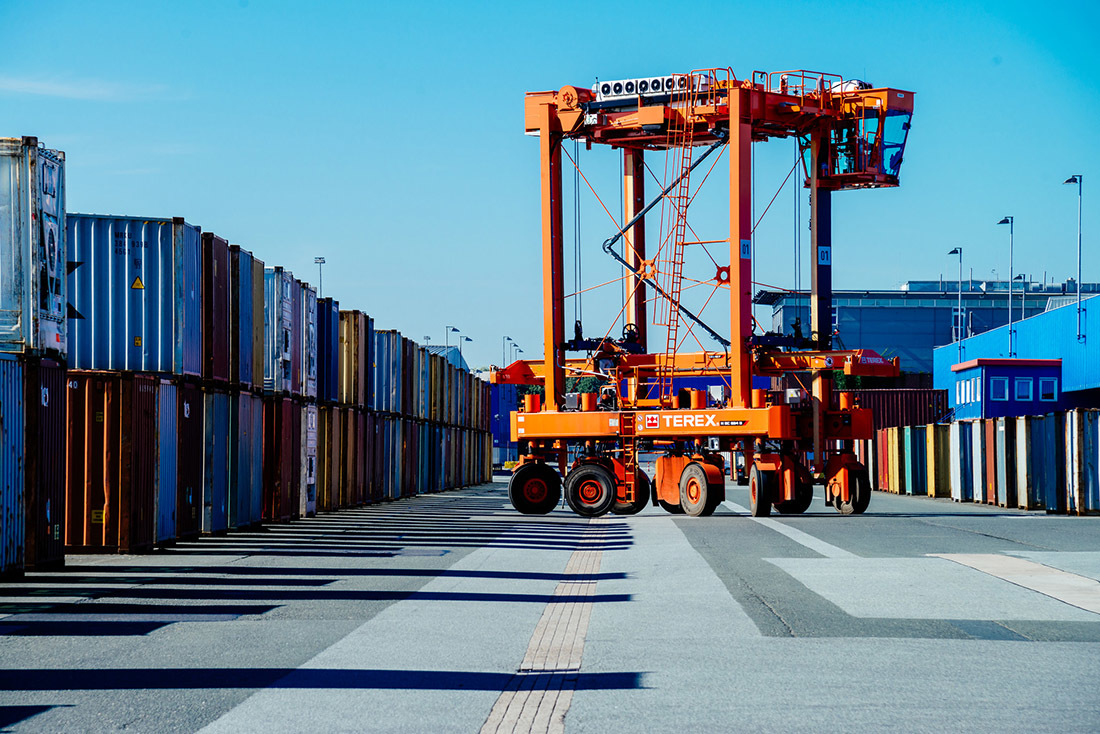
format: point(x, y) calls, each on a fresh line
point(803, 498)
point(857, 503)
point(761, 485)
point(670, 508)
point(642, 492)
point(590, 490)
point(534, 489)
point(697, 497)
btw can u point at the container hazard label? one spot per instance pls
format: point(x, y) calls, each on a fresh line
point(137, 284)
point(97, 517)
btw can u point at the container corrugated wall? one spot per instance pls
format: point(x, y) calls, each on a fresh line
point(309, 340)
point(215, 462)
point(307, 506)
point(279, 352)
point(258, 300)
point(167, 442)
point(282, 458)
point(245, 459)
point(938, 456)
point(1082, 441)
point(136, 294)
point(45, 427)
point(1006, 462)
point(243, 329)
point(215, 308)
point(189, 457)
point(329, 350)
point(13, 518)
point(33, 251)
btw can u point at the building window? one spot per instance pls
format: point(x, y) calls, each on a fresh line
point(1048, 389)
point(978, 391)
point(998, 389)
point(1023, 389)
point(959, 393)
point(958, 325)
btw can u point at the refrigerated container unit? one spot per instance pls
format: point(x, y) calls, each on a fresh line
point(977, 461)
point(215, 462)
point(308, 485)
point(45, 428)
point(13, 513)
point(135, 291)
point(167, 468)
point(190, 450)
point(1082, 441)
point(33, 249)
point(244, 320)
point(279, 351)
point(112, 461)
point(328, 351)
point(215, 308)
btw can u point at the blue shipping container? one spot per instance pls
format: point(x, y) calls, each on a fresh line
point(215, 464)
point(328, 350)
point(166, 462)
point(13, 514)
point(241, 351)
point(136, 294)
point(245, 490)
point(33, 253)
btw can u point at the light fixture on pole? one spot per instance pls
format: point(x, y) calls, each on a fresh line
point(460, 340)
point(447, 335)
point(319, 262)
point(1011, 232)
point(504, 350)
point(960, 320)
point(517, 351)
point(1077, 179)
point(1023, 293)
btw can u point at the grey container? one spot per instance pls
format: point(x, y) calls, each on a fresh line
point(279, 346)
point(33, 250)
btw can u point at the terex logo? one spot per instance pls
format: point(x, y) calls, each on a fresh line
point(689, 421)
point(653, 420)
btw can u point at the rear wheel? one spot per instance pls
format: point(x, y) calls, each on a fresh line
point(803, 498)
point(671, 508)
point(590, 490)
point(697, 497)
point(761, 484)
point(534, 489)
point(859, 494)
point(642, 492)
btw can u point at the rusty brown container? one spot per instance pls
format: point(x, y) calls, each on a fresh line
point(190, 453)
point(989, 426)
point(215, 307)
point(893, 408)
point(44, 462)
point(112, 461)
point(282, 458)
point(361, 462)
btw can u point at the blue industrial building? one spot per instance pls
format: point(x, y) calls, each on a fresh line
point(968, 368)
point(911, 322)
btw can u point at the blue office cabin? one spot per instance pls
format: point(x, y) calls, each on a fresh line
point(995, 388)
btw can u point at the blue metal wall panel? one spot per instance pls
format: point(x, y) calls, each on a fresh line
point(135, 288)
point(166, 462)
point(13, 518)
point(215, 465)
point(241, 308)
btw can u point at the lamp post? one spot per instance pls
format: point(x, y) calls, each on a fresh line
point(959, 314)
point(1011, 232)
point(460, 340)
point(504, 350)
point(319, 262)
point(1076, 179)
point(447, 335)
point(1023, 294)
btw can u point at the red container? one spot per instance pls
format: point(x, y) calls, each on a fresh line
point(215, 307)
point(44, 463)
point(989, 425)
point(902, 407)
point(112, 461)
point(190, 452)
point(282, 458)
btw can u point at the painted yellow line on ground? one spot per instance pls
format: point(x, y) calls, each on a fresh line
point(805, 539)
point(1078, 591)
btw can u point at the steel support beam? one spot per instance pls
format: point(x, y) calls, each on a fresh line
point(634, 240)
point(553, 288)
point(740, 145)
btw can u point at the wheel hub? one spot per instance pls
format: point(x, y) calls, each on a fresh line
point(694, 491)
point(590, 492)
point(535, 490)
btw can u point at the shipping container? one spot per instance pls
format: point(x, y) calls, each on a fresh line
point(1082, 441)
point(112, 461)
point(215, 308)
point(190, 453)
point(899, 407)
point(309, 340)
point(329, 350)
point(245, 494)
point(167, 472)
point(989, 428)
point(977, 461)
point(282, 458)
point(1036, 460)
point(353, 361)
point(1006, 462)
point(242, 332)
point(258, 300)
point(13, 516)
point(135, 288)
point(329, 458)
point(938, 457)
point(279, 351)
point(915, 440)
point(215, 463)
point(44, 464)
point(308, 501)
point(33, 249)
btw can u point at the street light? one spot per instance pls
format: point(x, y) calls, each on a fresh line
point(460, 340)
point(1023, 294)
point(319, 262)
point(1076, 179)
point(959, 316)
point(1011, 232)
point(504, 350)
point(447, 335)
point(518, 350)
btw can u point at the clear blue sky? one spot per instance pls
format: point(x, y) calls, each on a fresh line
point(388, 137)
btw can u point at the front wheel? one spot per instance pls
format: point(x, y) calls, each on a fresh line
point(696, 496)
point(761, 483)
point(859, 494)
point(803, 498)
point(590, 490)
point(642, 492)
point(534, 489)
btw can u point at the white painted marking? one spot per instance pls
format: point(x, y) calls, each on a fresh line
point(1077, 591)
point(805, 539)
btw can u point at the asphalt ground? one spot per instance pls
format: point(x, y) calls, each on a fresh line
point(451, 612)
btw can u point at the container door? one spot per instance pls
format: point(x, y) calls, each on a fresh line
point(13, 519)
point(166, 462)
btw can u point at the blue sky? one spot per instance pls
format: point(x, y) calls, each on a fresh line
point(389, 137)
